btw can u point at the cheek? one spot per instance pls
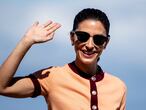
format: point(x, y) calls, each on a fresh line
point(79, 46)
point(99, 50)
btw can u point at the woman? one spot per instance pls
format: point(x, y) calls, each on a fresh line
point(79, 85)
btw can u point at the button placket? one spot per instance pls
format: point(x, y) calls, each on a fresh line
point(92, 79)
point(93, 91)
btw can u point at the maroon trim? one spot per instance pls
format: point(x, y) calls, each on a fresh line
point(37, 87)
point(94, 98)
point(97, 77)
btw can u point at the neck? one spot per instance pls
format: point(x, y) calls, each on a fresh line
point(87, 68)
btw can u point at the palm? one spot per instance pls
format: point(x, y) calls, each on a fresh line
point(42, 33)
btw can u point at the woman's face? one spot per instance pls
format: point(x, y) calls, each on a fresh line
point(88, 52)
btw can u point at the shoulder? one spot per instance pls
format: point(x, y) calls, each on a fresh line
point(49, 71)
point(115, 81)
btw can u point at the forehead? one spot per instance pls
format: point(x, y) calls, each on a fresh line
point(92, 26)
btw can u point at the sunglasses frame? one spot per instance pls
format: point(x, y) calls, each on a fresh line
point(95, 40)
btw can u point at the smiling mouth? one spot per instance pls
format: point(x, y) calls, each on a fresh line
point(88, 54)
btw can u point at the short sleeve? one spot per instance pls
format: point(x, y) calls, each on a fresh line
point(43, 81)
point(37, 87)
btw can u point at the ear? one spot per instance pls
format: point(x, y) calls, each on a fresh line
point(105, 45)
point(72, 38)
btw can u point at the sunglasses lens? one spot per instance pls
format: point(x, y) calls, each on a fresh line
point(82, 36)
point(100, 40)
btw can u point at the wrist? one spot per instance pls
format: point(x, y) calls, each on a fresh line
point(27, 42)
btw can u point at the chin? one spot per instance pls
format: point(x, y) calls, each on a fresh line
point(88, 61)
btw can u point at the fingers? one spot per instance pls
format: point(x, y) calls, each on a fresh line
point(47, 23)
point(47, 26)
point(50, 33)
point(52, 28)
point(51, 25)
point(43, 32)
point(35, 23)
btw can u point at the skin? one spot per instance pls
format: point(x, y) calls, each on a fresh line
point(37, 33)
point(87, 53)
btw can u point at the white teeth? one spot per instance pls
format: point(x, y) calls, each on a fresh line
point(88, 53)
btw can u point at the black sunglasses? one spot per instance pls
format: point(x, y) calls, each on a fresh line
point(84, 36)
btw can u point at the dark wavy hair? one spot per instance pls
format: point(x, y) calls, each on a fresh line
point(91, 13)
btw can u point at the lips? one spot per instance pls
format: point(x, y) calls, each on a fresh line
point(88, 54)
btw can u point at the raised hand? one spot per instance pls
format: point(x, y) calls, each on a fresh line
point(39, 33)
point(36, 34)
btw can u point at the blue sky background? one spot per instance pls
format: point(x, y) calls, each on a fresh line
point(124, 56)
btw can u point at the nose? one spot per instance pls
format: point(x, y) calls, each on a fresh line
point(90, 43)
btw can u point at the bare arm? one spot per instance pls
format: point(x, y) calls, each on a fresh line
point(24, 86)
